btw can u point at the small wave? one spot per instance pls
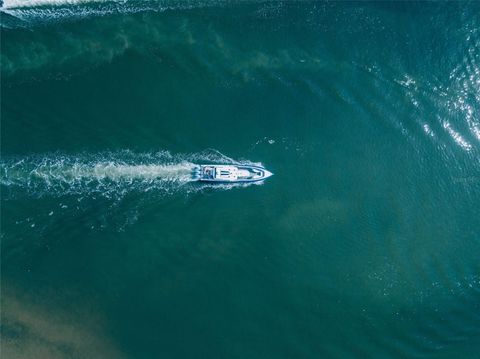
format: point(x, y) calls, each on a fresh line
point(457, 137)
point(109, 174)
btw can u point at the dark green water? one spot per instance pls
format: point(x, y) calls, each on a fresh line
point(365, 243)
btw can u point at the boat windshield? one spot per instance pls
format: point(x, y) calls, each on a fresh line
point(209, 172)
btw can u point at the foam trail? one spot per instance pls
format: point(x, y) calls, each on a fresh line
point(108, 174)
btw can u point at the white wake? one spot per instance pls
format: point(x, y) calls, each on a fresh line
point(15, 4)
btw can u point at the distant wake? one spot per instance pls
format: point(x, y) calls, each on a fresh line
point(109, 174)
point(31, 11)
point(142, 4)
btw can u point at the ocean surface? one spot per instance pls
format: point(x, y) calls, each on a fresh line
point(364, 244)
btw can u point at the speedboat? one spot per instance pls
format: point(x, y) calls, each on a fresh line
point(231, 173)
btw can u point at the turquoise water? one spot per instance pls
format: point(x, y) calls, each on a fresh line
point(365, 243)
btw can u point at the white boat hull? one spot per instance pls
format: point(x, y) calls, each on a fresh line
point(231, 173)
